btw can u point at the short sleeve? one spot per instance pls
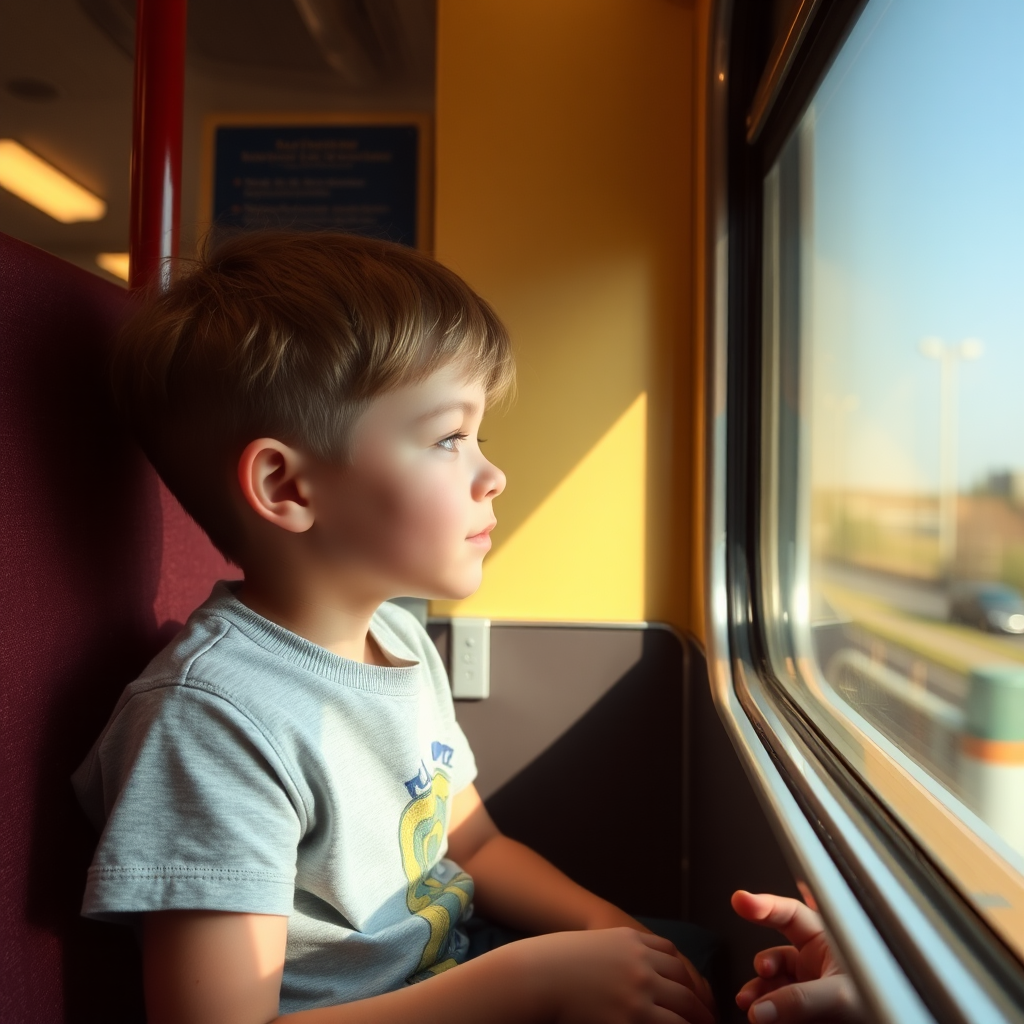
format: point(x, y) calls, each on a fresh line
point(200, 810)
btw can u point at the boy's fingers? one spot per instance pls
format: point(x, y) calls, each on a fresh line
point(758, 987)
point(659, 1015)
point(776, 960)
point(668, 965)
point(679, 972)
point(688, 964)
point(682, 1000)
point(833, 998)
point(679, 968)
point(674, 965)
point(658, 943)
point(698, 982)
point(797, 922)
point(702, 990)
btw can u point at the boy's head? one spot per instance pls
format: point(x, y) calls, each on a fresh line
point(290, 336)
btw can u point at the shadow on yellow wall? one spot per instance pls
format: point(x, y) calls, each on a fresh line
point(566, 137)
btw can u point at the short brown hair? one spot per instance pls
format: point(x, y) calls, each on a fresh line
point(290, 336)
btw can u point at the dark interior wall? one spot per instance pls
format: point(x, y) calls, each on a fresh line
point(732, 844)
point(601, 748)
point(596, 717)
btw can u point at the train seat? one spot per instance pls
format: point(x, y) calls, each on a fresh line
point(99, 562)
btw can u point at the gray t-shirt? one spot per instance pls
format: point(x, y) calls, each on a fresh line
point(250, 770)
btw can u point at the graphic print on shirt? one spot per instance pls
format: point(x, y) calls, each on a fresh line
point(436, 892)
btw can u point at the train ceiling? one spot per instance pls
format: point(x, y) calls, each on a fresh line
point(342, 45)
point(66, 87)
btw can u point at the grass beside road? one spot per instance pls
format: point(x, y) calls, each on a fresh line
point(954, 646)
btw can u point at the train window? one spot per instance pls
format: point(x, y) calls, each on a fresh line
point(892, 472)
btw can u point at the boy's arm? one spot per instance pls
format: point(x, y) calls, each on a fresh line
point(204, 967)
point(515, 886)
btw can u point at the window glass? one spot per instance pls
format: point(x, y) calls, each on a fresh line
point(893, 500)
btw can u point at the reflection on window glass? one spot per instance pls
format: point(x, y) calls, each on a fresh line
point(894, 285)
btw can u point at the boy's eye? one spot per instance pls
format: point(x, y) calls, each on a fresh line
point(452, 441)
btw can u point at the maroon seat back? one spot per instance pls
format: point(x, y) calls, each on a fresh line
point(98, 562)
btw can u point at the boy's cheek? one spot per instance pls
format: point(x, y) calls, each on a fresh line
point(421, 538)
point(413, 530)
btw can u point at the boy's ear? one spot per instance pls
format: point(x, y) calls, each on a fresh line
point(273, 480)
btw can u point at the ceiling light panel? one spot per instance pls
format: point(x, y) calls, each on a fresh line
point(31, 178)
point(115, 263)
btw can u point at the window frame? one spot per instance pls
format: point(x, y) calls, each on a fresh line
point(918, 950)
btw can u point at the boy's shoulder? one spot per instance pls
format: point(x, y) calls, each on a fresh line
point(228, 649)
point(213, 638)
point(230, 672)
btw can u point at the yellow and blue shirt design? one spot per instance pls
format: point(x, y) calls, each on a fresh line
point(437, 891)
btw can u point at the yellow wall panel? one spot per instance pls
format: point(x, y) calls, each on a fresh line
point(565, 172)
point(587, 537)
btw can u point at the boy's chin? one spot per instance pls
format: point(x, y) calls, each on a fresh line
point(458, 593)
point(455, 590)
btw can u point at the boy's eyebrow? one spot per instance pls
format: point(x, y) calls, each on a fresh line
point(466, 407)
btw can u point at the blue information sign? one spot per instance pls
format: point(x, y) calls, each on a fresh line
point(358, 178)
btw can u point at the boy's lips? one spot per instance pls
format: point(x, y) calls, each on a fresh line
point(484, 536)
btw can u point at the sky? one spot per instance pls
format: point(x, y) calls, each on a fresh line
point(918, 230)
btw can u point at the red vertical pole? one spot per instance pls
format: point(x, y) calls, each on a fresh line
point(156, 139)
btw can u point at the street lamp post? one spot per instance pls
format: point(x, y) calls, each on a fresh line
point(948, 357)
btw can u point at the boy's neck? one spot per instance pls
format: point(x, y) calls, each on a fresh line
point(341, 627)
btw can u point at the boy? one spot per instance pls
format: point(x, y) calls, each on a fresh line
point(284, 795)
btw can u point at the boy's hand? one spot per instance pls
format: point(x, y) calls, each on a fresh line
point(556, 905)
point(614, 976)
point(799, 983)
point(610, 916)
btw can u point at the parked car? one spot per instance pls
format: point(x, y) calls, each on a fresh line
point(993, 607)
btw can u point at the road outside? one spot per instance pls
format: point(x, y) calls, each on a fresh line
point(905, 624)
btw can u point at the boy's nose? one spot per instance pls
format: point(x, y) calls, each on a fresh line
point(490, 480)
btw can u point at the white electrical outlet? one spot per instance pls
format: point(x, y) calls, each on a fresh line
point(470, 658)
